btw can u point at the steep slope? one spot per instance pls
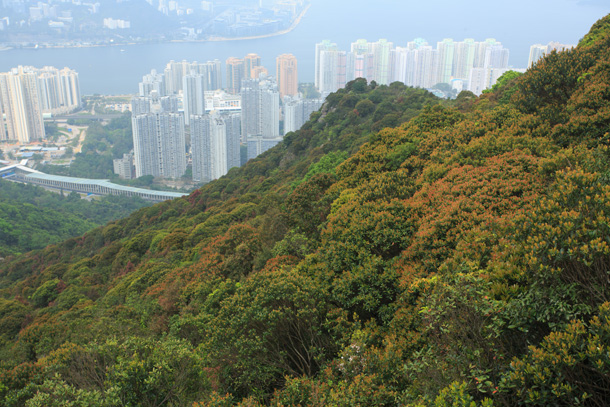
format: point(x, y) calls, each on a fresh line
point(379, 256)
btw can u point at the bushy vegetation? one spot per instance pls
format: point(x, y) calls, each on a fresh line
point(32, 218)
point(397, 250)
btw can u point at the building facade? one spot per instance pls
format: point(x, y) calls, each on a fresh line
point(193, 95)
point(21, 106)
point(417, 64)
point(235, 74)
point(260, 108)
point(258, 145)
point(297, 112)
point(214, 145)
point(158, 137)
point(251, 63)
point(538, 51)
point(325, 45)
point(124, 167)
point(287, 75)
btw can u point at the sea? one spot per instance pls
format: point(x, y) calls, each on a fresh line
point(116, 70)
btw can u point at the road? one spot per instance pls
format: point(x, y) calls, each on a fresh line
point(109, 116)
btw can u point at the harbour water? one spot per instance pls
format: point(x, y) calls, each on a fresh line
point(518, 24)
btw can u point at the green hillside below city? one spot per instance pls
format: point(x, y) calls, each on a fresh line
point(398, 249)
point(32, 218)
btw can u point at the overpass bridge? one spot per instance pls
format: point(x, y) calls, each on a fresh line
point(20, 173)
point(97, 117)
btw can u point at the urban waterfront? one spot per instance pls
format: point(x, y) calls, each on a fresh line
point(118, 69)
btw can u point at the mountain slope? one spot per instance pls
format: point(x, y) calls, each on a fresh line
point(395, 251)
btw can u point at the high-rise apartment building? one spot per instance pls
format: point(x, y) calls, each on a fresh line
point(363, 66)
point(201, 148)
point(496, 57)
point(172, 75)
point(58, 90)
point(250, 108)
point(152, 81)
point(21, 105)
point(418, 64)
point(124, 167)
point(426, 67)
point(3, 135)
point(27, 92)
point(463, 61)
point(260, 108)
point(333, 71)
point(212, 75)
point(258, 145)
point(484, 78)
point(235, 74)
point(175, 72)
point(446, 49)
point(293, 114)
point(287, 75)
point(537, 51)
point(325, 45)
point(382, 61)
point(372, 61)
point(360, 61)
point(251, 62)
point(70, 88)
point(143, 105)
point(193, 95)
point(259, 71)
point(403, 63)
point(270, 109)
point(406, 62)
point(158, 137)
point(481, 52)
point(214, 145)
point(360, 47)
point(171, 80)
point(297, 111)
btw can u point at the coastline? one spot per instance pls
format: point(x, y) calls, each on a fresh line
point(294, 24)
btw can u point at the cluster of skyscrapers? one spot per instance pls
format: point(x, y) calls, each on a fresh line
point(26, 93)
point(466, 64)
point(184, 114)
point(537, 51)
point(249, 67)
point(187, 103)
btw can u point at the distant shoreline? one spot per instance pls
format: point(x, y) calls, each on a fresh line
point(294, 24)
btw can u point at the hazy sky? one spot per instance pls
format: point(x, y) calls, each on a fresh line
point(516, 22)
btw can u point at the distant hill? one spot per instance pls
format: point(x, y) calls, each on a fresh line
point(397, 250)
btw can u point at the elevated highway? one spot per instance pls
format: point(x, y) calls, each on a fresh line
point(20, 173)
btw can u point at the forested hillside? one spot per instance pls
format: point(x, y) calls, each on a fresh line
point(32, 218)
point(397, 250)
